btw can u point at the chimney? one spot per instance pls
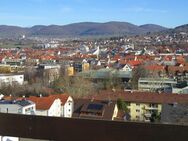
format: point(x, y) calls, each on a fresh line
point(135, 59)
point(1, 96)
point(109, 101)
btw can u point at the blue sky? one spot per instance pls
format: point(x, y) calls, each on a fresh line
point(169, 13)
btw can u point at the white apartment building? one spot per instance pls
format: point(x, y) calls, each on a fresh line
point(11, 79)
point(154, 84)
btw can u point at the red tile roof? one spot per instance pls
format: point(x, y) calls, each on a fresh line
point(134, 62)
point(62, 97)
point(141, 97)
point(44, 103)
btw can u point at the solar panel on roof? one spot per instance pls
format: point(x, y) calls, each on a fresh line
point(23, 103)
point(94, 106)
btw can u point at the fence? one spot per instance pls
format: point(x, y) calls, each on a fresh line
point(70, 129)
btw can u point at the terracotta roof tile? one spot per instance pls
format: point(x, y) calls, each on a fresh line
point(62, 97)
point(140, 97)
point(134, 62)
point(42, 103)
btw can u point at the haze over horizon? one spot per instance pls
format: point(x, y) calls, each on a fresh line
point(27, 13)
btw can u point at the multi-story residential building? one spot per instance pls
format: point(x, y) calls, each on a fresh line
point(180, 90)
point(67, 104)
point(11, 68)
point(11, 79)
point(50, 72)
point(155, 84)
point(14, 62)
point(141, 105)
point(142, 111)
point(49, 66)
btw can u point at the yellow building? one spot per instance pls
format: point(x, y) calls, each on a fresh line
point(10, 69)
point(70, 71)
point(85, 66)
point(141, 106)
point(5, 68)
point(143, 111)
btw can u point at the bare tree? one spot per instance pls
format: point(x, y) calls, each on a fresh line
point(138, 72)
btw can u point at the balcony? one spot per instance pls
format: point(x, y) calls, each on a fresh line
point(151, 108)
point(147, 114)
point(147, 120)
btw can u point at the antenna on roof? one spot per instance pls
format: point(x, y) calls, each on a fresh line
point(1, 96)
point(109, 101)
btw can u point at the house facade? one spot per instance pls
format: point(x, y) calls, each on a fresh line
point(47, 106)
point(59, 105)
point(11, 79)
point(143, 111)
point(142, 106)
point(95, 109)
point(67, 107)
point(18, 107)
point(154, 84)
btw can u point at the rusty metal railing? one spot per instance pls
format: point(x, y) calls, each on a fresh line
point(70, 129)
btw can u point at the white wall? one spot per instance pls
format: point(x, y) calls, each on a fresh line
point(6, 138)
point(9, 108)
point(180, 91)
point(41, 112)
point(126, 68)
point(115, 112)
point(55, 109)
point(10, 79)
point(68, 107)
point(17, 109)
point(29, 110)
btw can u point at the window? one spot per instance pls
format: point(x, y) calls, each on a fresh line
point(137, 117)
point(128, 103)
point(137, 110)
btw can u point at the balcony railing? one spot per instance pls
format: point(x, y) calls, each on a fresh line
point(147, 114)
point(151, 108)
